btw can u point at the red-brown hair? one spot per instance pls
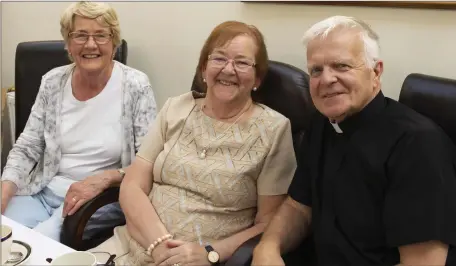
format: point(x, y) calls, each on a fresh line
point(224, 33)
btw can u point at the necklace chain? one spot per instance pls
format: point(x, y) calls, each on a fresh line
point(202, 154)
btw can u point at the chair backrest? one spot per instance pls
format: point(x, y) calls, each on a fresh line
point(434, 97)
point(286, 90)
point(33, 60)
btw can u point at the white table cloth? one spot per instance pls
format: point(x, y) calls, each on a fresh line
point(42, 246)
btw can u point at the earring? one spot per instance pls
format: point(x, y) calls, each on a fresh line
point(204, 80)
point(254, 88)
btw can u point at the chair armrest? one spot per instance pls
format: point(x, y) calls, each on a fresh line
point(73, 226)
point(243, 255)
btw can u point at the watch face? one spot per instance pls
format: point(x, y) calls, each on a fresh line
point(213, 257)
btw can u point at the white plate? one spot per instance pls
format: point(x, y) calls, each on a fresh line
point(24, 248)
point(102, 257)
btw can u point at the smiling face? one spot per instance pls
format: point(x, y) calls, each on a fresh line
point(90, 56)
point(229, 73)
point(341, 83)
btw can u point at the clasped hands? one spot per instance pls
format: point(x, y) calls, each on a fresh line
point(176, 252)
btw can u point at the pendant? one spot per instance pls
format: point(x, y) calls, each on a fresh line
point(202, 154)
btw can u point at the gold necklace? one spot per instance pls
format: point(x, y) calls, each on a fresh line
point(202, 154)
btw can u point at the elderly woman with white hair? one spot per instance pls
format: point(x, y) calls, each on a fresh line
point(84, 128)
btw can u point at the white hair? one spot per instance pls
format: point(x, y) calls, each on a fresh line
point(368, 36)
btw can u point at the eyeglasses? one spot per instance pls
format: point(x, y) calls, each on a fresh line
point(82, 37)
point(241, 65)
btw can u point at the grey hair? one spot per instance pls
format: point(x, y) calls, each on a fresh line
point(101, 12)
point(368, 36)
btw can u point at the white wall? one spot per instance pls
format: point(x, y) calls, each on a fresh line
point(412, 40)
point(165, 37)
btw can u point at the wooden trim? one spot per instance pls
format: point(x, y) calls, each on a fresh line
point(395, 4)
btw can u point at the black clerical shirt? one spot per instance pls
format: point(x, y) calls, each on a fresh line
point(386, 180)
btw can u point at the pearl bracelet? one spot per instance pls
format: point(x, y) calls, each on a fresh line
point(157, 242)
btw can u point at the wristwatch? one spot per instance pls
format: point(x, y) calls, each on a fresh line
point(121, 172)
point(212, 255)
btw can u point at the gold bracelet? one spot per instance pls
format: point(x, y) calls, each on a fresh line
point(157, 242)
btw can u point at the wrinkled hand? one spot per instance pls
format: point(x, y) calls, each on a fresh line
point(161, 249)
point(8, 191)
point(183, 253)
point(4, 204)
point(263, 256)
point(5, 201)
point(85, 190)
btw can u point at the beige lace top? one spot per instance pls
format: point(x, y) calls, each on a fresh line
point(203, 200)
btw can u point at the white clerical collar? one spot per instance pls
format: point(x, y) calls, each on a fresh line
point(336, 127)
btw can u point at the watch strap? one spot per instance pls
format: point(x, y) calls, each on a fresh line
point(209, 248)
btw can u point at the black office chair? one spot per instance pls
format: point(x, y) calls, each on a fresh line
point(286, 90)
point(33, 60)
point(434, 97)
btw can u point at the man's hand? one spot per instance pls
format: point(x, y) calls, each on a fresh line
point(267, 254)
point(85, 190)
point(8, 191)
point(424, 253)
point(286, 230)
point(183, 253)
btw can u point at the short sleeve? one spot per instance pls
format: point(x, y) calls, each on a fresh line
point(300, 189)
point(420, 201)
point(153, 142)
point(279, 165)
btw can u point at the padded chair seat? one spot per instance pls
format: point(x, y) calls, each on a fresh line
point(434, 97)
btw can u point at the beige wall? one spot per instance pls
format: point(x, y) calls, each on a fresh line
point(165, 37)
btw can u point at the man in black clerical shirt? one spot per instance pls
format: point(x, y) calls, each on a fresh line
point(376, 181)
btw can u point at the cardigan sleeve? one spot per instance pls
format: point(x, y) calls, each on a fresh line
point(29, 147)
point(144, 113)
